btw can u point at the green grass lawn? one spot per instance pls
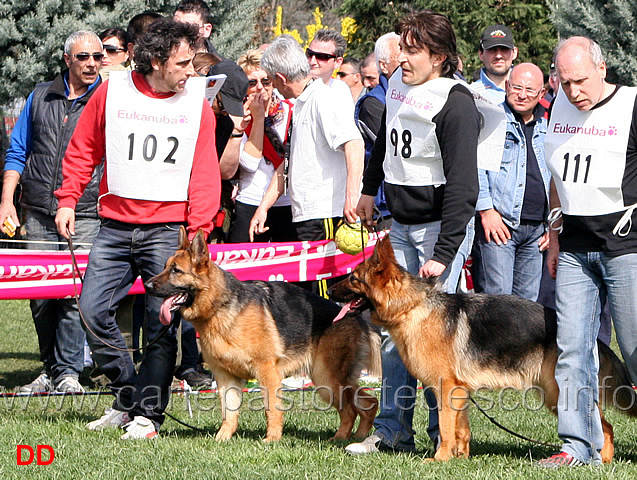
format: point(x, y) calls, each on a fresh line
point(304, 452)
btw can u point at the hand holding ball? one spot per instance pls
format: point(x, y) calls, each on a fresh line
point(351, 238)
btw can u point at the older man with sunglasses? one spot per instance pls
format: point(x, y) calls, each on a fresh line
point(34, 159)
point(326, 152)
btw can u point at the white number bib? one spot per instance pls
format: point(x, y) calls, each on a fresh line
point(413, 155)
point(150, 142)
point(586, 152)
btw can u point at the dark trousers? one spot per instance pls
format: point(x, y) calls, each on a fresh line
point(120, 253)
point(312, 231)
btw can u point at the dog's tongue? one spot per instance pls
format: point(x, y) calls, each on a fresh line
point(165, 315)
point(344, 311)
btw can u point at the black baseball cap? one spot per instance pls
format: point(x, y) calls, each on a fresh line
point(234, 89)
point(497, 36)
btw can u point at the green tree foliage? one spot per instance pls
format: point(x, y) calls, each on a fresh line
point(32, 33)
point(528, 19)
point(234, 25)
point(611, 23)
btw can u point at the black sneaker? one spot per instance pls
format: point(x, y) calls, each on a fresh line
point(196, 379)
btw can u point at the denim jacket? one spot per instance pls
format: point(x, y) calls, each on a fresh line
point(485, 86)
point(504, 190)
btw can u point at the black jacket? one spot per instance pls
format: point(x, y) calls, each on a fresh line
point(53, 119)
point(457, 131)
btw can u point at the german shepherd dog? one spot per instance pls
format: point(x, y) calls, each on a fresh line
point(267, 330)
point(459, 343)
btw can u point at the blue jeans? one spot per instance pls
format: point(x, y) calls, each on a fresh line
point(584, 282)
point(511, 268)
point(120, 253)
point(413, 245)
point(57, 321)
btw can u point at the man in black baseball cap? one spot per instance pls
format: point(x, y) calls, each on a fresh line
point(497, 52)
point(229, 112)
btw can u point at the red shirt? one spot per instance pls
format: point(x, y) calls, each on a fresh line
point(87, 148)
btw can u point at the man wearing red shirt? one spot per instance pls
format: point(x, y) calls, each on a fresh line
point(155, 131)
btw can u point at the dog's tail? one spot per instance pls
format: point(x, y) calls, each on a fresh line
point(615, 386)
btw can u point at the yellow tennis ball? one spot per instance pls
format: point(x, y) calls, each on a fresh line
point(349, 238)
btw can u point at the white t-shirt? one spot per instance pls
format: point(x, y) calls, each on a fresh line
point(255, 174)
point(341, 85)
point(323, 121)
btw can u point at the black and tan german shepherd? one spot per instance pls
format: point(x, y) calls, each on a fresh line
point(267, 330)
point(460, 343)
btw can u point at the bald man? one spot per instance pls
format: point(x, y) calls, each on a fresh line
point(591, 149)
point(513, 202)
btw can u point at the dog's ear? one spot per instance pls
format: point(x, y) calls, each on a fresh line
point(383, 253)
point(184, 243)
point(199, 249)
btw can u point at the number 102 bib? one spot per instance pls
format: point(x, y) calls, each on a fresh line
point(150, 142)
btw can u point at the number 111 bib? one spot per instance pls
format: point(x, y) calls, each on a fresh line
point(586, 152)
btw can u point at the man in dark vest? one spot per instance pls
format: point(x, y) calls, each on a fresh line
point(34, 160)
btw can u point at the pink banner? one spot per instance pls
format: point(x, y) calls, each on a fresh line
point(32, 274)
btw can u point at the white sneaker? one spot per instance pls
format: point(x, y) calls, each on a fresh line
point(369, 445)
point(42, 384)
point(111, 419)
point(372, 444)
point(297, 382)
point(69, 384)
point(140, 428)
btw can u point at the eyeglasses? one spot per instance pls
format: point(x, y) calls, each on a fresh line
point(83, 57)
point(113, 49)
point(529, 91)
point(343, 74)
point(266, 82)
point(320, 56)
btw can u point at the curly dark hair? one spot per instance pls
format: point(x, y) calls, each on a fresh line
point(433, 30)
point(159, 41)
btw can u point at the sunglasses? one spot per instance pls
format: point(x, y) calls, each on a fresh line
point(113, 49)
point(266, 82)
point(83, 57)
point(320, 56)
point(343, 74)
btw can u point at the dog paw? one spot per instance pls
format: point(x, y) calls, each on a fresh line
point(223, 435)
point(443, 455)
